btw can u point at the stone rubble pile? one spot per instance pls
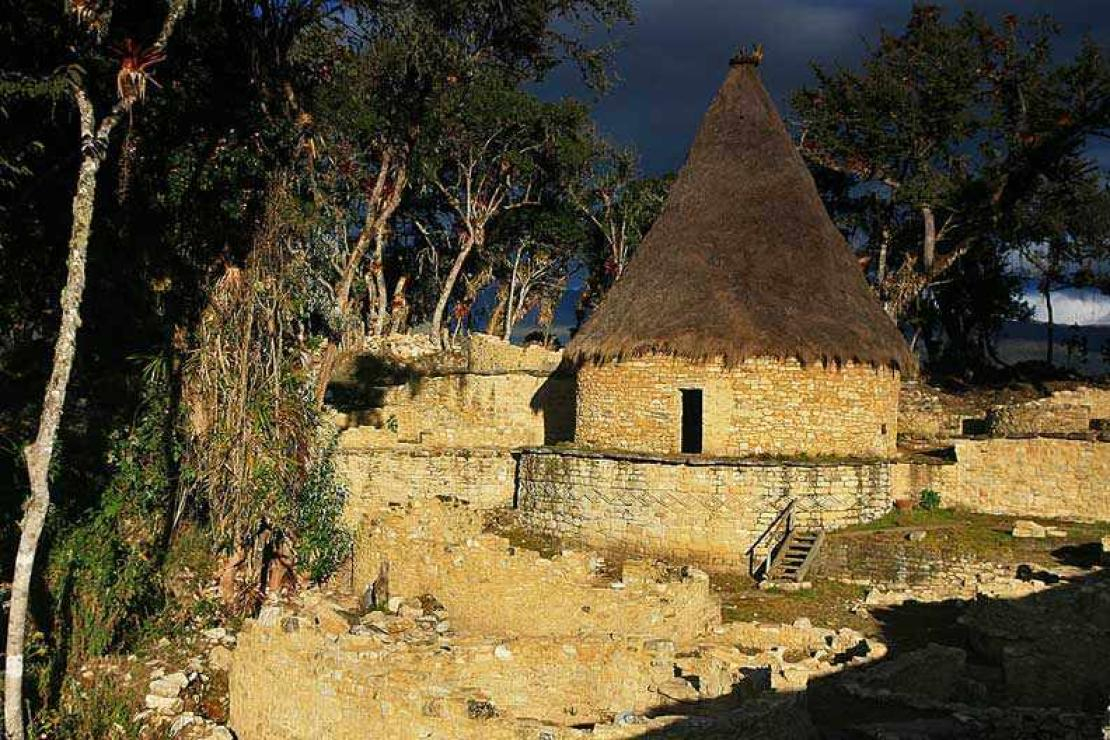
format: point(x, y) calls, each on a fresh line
point(168, 693)
point(404, 671)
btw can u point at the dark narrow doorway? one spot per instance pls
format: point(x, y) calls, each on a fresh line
point(691, 421)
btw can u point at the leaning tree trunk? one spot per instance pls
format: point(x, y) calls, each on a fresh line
point(39, 452)
point(449, 288)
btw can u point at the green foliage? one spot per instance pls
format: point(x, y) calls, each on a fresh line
point(978, 130)
point(929, 500)
point(104, 570)
point(323, 542)
point(89, 710)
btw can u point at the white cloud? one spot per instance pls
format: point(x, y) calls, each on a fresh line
point(1083, 307)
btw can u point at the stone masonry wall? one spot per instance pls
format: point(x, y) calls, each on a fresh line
point(759, 407)
point(707, 511)
point(891, 560)
point(1096, 399)
point(489, 586)
point(305, 685)
point(471, 410)
point(910, 477)
point(1029, 476)
point(379, 477)
point(1044, 416)
point(1061, 478)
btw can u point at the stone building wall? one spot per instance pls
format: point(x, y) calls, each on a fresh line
point(381, 476)
point(450, 430)
point(468, 410)
point(708, 511)
point(1040, 476)
point(759, 407)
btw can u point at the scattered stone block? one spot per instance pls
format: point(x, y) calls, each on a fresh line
point(678, 689)
point(164, 688)
point(917, 535)
point(330, 620)
point(164, 704)
point(219, 658)
point(1025, 529)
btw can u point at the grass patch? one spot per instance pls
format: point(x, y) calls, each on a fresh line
point(826, 604)
point(984, 536)
point(919, 518)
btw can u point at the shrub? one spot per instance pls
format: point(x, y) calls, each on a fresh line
point(322, 542)
point(929, 500)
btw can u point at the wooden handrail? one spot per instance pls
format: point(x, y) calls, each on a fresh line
point(786, 517)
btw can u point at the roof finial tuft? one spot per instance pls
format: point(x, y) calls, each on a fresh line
point(753, 57)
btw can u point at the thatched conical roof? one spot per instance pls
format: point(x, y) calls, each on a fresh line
point(744, 261)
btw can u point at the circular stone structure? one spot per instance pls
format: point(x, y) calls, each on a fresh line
point(761, 406)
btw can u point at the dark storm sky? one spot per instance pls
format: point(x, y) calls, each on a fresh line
point(673, 58)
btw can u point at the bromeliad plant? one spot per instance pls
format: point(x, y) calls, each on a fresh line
point(134, 70)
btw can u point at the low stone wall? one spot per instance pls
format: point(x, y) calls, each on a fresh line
point(304, 685)
point(1044, 416)
point(1041, 476)
point(488, 586)
point(381, 476)
point(890, 560)
point(1053, 477)
point(1095, 399)
point(702, 510)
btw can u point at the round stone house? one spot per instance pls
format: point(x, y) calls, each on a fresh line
point(737, 388)
point(743, 325)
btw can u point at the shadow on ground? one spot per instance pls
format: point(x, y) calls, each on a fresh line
point(1030, 667)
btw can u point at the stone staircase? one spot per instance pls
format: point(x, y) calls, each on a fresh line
point(795, 556)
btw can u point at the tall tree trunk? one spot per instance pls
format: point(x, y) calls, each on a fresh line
point(929, 242)
point(94, 142)
point(382, 308)
point(39, 452)
point(884, 252)
point(449, 288)
point(380, 207)
point(510, 314)
point(1046, 291)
